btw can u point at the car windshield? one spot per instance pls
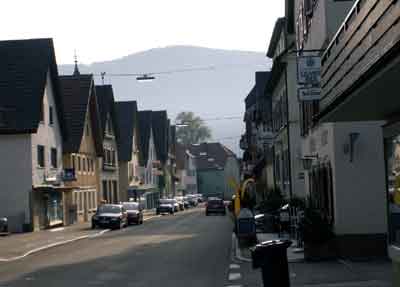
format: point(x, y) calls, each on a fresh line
point(131, 206)
point(109, 209)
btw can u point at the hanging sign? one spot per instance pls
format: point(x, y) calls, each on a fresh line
point(309, 78)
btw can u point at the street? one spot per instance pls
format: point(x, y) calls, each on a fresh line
point(187, 249)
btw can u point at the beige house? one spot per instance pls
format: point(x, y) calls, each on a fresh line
point(128, 151)
point(83, 146)
point(108, 164)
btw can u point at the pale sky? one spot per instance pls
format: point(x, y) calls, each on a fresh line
point(104, 30)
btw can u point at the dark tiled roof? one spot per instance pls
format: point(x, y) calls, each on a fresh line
point(279, 27)
point(210, 156)
point(23, 72)
point(251, 98)
point(106, 103)
point(79, 97)
point(127, 123)
point(261, 83)
point(144, 135)
point(160, 132)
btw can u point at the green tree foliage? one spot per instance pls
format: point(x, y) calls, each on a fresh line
point(193, 131)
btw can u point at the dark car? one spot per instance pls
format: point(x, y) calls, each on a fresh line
point(165, 206)
point(110, 216)
point(215, 205)
point(3, 225)
point(192, 200)
point(134, 211)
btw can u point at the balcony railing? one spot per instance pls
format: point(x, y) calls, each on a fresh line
point(369, 33)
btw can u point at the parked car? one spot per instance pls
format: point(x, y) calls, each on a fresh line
point(165, 206)
point(186, 203)
point(176, 204)
point(110, 216)
point(3, 225)
point(134, 211)
point(215, 205)
point(192, 200)
point(200, 198)
point(179, 200)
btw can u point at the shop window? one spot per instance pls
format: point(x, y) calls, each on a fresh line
point(105, 190)
point(392, 157)
point(40, 156)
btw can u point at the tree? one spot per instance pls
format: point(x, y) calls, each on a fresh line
point(192, 129)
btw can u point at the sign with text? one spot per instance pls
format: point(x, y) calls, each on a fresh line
point(309, 70)
point(309, 94)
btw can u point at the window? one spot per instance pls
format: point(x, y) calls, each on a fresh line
point(115, 191)
point(51, 121)
point(83, 163)
point(40, 156)
point(105, 193)
point(79, 162)
point(73, 161)
point(53, 157)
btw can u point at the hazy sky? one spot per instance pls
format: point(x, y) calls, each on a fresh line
point(104, 30)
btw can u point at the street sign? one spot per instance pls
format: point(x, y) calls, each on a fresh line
point(309, 70)
point(309, 94)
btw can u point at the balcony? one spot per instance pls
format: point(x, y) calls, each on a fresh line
point(360, 68)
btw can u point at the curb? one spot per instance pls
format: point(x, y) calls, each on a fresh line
point(36, 250)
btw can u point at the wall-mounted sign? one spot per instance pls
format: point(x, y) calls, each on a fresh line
point(309, 70)
point(309, 94)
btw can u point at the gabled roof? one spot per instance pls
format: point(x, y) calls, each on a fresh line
point(127, 123)
point(144, 135)
point(261, 83)
point(210, 156)
point(106, 103)
point(23, 74)
point(160, 126)
point(251, 98)
point(79, 98)
point(279, 27)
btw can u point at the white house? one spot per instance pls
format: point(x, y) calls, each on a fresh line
point(31, 136)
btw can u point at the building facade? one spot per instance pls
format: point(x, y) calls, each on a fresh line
point(83, 147)
point(128, 148)
point(31, 137)
point(108, 163)
point(342, 154)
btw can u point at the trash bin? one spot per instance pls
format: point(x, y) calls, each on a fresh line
point(246, 226)
point(271, 257)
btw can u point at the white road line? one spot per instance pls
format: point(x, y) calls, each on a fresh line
point(234, 276)
point(148, 218)
point(55, 244)
point(57, 229)
point(234, 266)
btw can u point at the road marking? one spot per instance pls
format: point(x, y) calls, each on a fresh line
point(51, 245)
point(234, 266)
point(57, 229)
point(234, 276)
point(148, 218)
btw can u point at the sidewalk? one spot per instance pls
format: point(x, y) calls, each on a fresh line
point(339, 273)
point(16, 246)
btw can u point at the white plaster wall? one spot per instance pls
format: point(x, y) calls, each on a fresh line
point(360, 185)
point(48, 136)
point(15, 179)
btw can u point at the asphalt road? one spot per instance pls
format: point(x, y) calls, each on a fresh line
point(187, 249)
